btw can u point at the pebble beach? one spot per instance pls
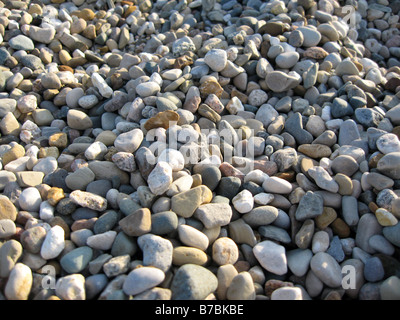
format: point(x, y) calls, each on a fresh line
point(199, 150)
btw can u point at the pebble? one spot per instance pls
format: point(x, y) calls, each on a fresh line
point(271, 256)
point(276, 185)
point(142, 279)
point(30, 199)
point(157, 251)
point(160, 178)
point(193, 282)
point(326, 268)
point(192, 237)
point(76, 260)
point(19, 283)
point(243, 201)
point(129, 141)
point(53, 244)
point(216, 59)
point(298, 261)
point(287, 293)
point(310, 206)
point(389, 289)
point(214, 214)
point(241, 287)
point(88, 200)
point(71, 287)
point(187, 255)
point(225, 251)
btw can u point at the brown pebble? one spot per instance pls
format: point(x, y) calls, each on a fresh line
point(54, 195)
point(373, 206)
point(340, 228)
point(83, 224)
point(162, 119)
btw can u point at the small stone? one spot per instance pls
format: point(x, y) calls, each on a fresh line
point(326, 269)
point(7, 209)
point(187, 255)
point(277, 185)
point(263, 215)
point(298, 261)
point(80, 179)
point(185, 203)
point(243, 201)
point(287, 293)
point(344, 164)
point(50, 81)
point(21, 42)
point(162, 119)
point(385, 218)
point(323, 179)
point(388, 143)
point(71, 287)
point(214, 214)
point(142, 279)
point(160, 178)
point(389, 289)
point(278, 81)
point(271, 256)
point(216, 59)
point(53, 243)
point(76, 260)
point(241, 287)
point(102, 241)
point(163, 222)
point(129, 141)
point(157, 251)
point(78, 120)
point(373, 270)
point(88, 200)
point(30, 199)
point(7, 228)
point(287, 60)
point(137, 223)
point(147, 89)
point(389, 164)
point(210, 86)
point(193, 237)
point(225, 251)
point(310, 206)
point(116, 266)
point(193, 282)
point(19, 283)
point(311, 36)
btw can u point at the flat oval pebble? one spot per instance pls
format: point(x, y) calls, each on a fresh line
point(142, 279)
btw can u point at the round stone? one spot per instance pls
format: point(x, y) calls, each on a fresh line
point(216, 59)
point(30, 199)
point(225, 251)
